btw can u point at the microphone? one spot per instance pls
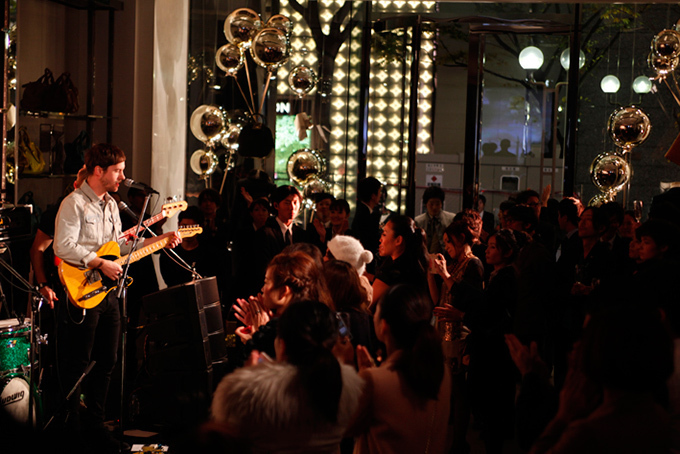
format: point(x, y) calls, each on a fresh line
point(130, 183)
point(122, 206)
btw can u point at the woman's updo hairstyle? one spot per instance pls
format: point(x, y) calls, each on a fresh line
point(301, 274)
point(413, 238)
point(421, 362)
point(460, 230)
point(309, 330)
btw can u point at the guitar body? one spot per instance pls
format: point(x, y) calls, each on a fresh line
point(86, 288)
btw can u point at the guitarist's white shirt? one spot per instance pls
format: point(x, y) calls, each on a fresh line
point(84, 223)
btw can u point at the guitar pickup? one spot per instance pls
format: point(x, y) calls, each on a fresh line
point(92, 276)
point(93, 293)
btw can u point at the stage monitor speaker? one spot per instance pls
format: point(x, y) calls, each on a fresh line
point(183, 298)
point(185, 330)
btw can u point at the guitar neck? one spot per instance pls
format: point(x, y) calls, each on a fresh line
point(151, 221)
point(143, 252)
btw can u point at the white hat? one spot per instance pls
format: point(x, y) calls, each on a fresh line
point(350, 250)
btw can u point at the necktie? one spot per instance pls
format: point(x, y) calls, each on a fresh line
point(288, 238)
point(432, 237)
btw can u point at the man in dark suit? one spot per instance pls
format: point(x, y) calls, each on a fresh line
point(280, 230)
point(488, 219)
point(366, 223)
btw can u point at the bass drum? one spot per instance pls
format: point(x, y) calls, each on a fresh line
point(15, 397)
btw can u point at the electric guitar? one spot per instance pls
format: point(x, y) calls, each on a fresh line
point(86, 288)
point(168, 210)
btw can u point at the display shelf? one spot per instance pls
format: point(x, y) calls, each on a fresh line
point(111, 5)
point(61, 116)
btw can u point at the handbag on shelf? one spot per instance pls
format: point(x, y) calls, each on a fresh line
point(9, 163)
point(35, 162)
point(34, 92)
point(61, 96)
point(75, 153)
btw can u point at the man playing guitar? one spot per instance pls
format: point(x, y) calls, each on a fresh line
point(87, 219)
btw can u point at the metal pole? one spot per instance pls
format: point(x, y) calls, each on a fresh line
point(413, 120)
point(364, 82)
point(473, 120)
point(572, 106)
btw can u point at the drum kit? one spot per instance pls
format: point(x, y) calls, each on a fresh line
point(19, 359)
point(18, 398)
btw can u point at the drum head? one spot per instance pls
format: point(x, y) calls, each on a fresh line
point(14, 399)
point(12, 324)
point(4, 324)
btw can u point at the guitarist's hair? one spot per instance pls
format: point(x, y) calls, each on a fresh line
point(103, 155)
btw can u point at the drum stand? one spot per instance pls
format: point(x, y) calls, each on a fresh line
point(36, 339)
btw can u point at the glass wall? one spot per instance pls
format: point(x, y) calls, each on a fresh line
point(476, 107)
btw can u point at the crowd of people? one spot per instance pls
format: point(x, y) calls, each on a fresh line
point(554, 327)
point(552, 330)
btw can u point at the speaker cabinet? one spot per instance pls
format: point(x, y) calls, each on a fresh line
point(185, 330)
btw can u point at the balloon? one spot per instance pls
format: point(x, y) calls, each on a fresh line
point(270, 48)
point(667, 44)
point(661, 65)
point(609, 172)
point(206, 122)
point(203, 162)
point(629, 126)
point(302, 80)
point(600, 199)
point(305, 165)
point(255, 140)
point(241, 25)
point(229, 139)
point(237, 116)
point(280, 22)
point(229, 58)
point(315, 186)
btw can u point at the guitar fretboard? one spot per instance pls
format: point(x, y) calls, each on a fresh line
point(160, 244)
point(149, 222)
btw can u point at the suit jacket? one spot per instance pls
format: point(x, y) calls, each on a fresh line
point(366, 227)
point(269, 242)
point(445, 219)
point(488, 222)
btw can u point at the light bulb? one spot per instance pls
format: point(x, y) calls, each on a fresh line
point(531, 58)
point(642, 85)
point(610, 84)
point(564, 58)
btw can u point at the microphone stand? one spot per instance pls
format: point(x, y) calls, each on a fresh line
point(122, 299)
point(35, 339)
point(194, 274)
point(68, 397)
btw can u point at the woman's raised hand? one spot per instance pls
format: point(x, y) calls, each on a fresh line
point(242, 311)
point(364, 359)
point(251, 312)
point(448, 313)
point(439, 265)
